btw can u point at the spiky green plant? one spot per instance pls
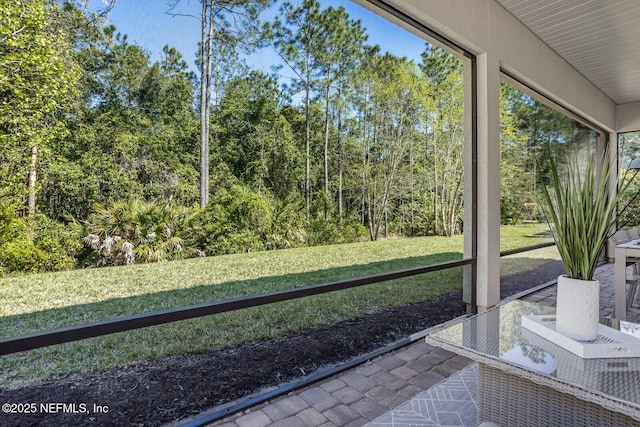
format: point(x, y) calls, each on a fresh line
point(135, 231)
point(581, 211)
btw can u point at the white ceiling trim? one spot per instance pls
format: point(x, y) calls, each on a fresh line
point(599, 38)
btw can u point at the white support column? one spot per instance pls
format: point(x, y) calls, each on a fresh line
point(488, 185)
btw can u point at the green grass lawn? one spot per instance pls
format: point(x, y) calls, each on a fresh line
point(46, 301)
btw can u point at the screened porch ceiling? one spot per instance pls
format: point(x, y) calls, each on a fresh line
point(599, 38)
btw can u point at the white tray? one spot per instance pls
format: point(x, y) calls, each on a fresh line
point(610, 343)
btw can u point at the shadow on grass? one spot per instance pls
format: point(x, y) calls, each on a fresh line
point(541, 235)
point(80, 314)
point(232, 328)
point(221, 330)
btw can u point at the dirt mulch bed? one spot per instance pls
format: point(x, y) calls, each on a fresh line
point(176, 387)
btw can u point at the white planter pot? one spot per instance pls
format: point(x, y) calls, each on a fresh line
point(578, 308)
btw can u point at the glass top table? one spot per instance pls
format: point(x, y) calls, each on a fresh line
point(499, 343)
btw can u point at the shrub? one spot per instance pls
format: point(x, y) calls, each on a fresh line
point(330, 232)
point(511, 209)
point(288, 228)
point(22, 256)
point(11, 227)
point(34, 245)
point(322, 232)
point(129, 232)
point(235, 220)
point(62, 242)
point(235, 242)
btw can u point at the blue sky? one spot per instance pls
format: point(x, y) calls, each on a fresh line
point(146, 24)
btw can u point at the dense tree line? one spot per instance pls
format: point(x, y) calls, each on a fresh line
point(101, 154)
point(629, 146)
point(531, 132)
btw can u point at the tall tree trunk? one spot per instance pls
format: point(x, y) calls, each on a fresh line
point(326, 151)
point(435, 185)
point(363, 189)
point(307, 117)
point(534, 144)
point(340, 164)
point(307, 172)
point(206, 50)
point(386, 220)
point(33, 169)
point(373, 220)
point(411, 186)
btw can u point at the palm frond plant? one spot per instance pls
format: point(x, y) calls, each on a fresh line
point(135, 231)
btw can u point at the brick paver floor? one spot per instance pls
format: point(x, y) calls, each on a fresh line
point(355, 397)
